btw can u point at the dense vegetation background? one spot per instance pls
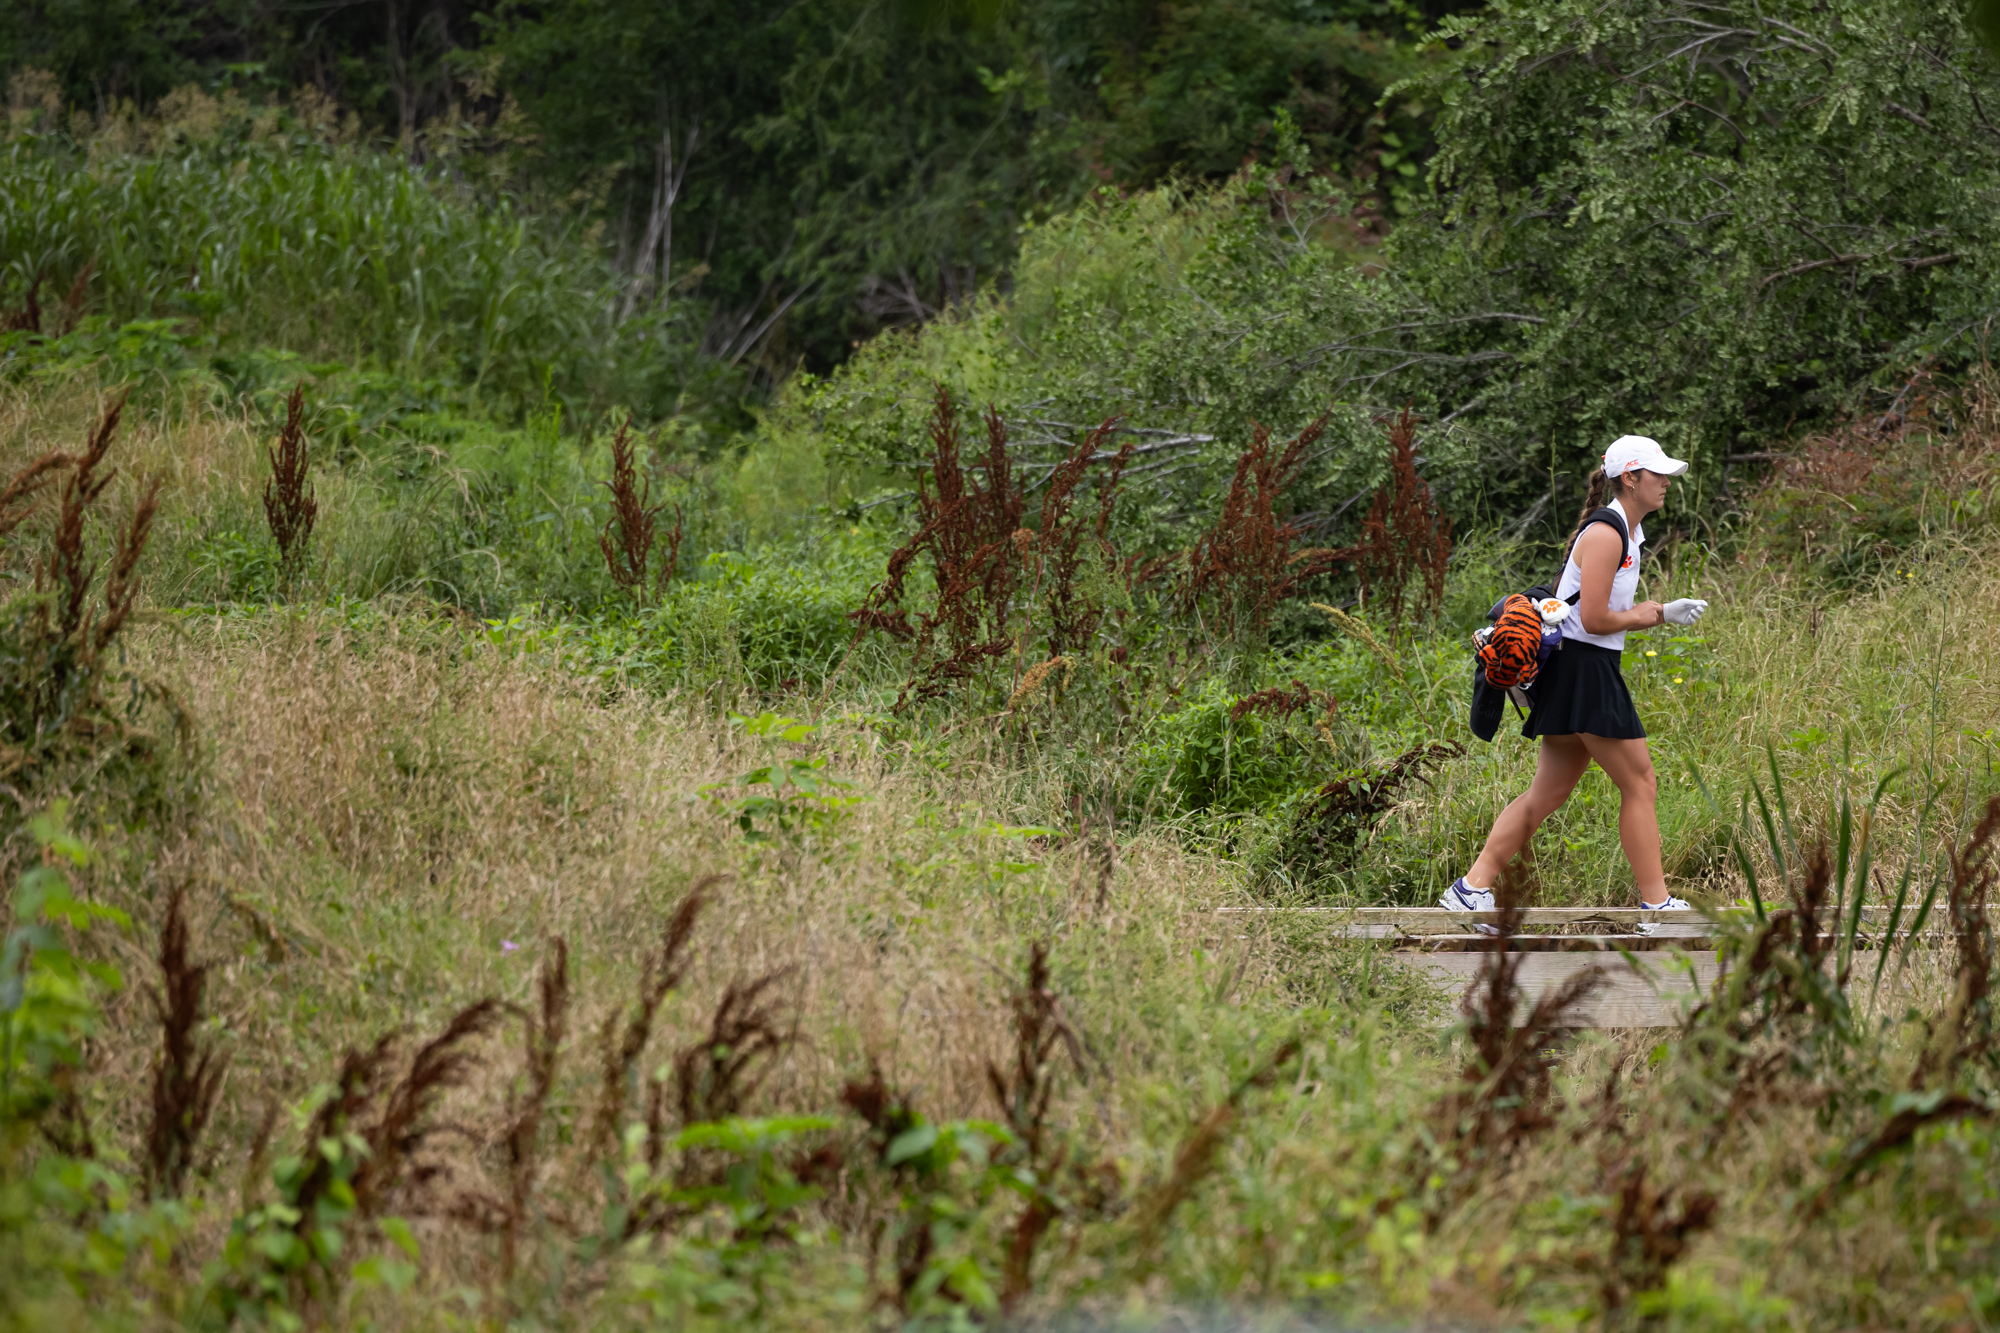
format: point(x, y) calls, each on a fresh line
point(664, 625)
point(1649, 217)
point(787, 178)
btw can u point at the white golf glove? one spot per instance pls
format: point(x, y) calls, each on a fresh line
point(1684, 612)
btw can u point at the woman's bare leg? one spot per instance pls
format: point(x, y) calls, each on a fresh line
point(1557, 771)
point(1629, 764)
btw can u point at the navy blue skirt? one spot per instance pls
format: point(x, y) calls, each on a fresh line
point(1582, 690)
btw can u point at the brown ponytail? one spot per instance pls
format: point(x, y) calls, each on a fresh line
point(1602, 491)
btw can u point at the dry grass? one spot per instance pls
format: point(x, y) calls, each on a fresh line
point(213, 466)
point(392, 810)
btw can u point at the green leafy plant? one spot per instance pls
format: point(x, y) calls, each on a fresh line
point(1216, 754)
point(72, 1222)
point(789, 795)
point(735, 1248)
point(942, 1173)
point(48, 994)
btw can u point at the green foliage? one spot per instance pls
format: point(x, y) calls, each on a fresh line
point(802, 155)
point(1199, 314)
point(1193, 90)
point(1564, 178)
point(151, 351)
point(124, 48)
point(286, 1256)
point(102, 54)
point(781, 610)
point(1621, 242)
point(790, 796)
point(279, 240)
point(1196, 759)
point(948, 1173)
point(69, 1223)
point(774, 619)
point(1698, 1301)
point(1983, 16)
point(812, 172)
point(1707, 249)
point(48, 995)
point(741, 1257)
point(1780, 214)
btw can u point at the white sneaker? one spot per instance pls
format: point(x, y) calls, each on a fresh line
point(1462, 897)
point(1672, 904)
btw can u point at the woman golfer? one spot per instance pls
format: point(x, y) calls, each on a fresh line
point(1582, 710)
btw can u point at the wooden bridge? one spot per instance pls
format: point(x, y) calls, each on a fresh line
point(1649, 980)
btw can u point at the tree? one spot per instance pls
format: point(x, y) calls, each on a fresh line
point(387, 59)
point(1709, 222)
point(1711, 219)
point(805, 172)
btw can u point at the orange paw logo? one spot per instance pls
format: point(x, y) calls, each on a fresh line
point(1626, 563)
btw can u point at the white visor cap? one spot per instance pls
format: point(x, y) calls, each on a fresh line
point(1631, 452)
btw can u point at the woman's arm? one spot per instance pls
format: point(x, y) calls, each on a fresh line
point(1598, 555)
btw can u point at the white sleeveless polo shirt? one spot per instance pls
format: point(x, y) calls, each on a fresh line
point(1624, 586)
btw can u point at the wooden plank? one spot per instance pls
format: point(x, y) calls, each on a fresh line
point(1550, 916)
point(1662, 937)
point(1682, 937)
point(1438, 921)
point(1654, 993)
point(1387, 922)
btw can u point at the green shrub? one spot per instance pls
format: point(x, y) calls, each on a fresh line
point(1190, 313)
point(70, 1220)
point(1196, 759)
point(772, 620)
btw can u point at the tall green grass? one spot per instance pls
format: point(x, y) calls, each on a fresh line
point(256, 235)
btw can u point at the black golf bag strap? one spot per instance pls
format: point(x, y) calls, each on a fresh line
point(1602, 514)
